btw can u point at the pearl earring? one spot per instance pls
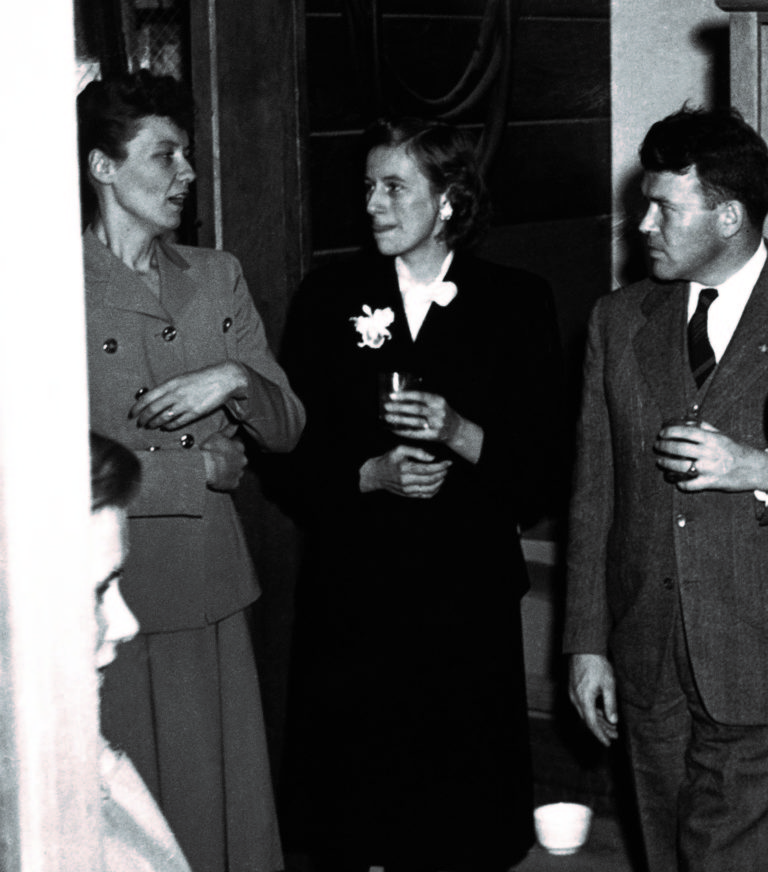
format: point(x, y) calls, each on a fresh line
point(446, 210)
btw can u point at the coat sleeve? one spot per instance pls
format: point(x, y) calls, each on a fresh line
point(524, 449)
point(272, 413)
point(587, 621)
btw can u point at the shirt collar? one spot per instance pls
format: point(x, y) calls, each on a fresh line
point(743, 280)
point(407, 282)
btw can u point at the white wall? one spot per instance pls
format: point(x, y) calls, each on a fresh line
point(49, 785)
point(661, 57)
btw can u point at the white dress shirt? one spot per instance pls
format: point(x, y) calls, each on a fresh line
point(419, 296)
point(725, 312)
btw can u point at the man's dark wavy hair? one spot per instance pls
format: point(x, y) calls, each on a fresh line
point(446, 156)
point(109, 112)
point(730, 158)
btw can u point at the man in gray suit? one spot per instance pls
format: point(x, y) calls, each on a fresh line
point(667, 615)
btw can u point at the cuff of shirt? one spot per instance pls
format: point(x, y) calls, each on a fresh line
point(762, 497)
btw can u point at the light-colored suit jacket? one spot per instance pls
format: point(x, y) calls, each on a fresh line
point(637, 543)
point(188, 563)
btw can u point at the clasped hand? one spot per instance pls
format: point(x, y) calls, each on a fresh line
point(720, 462)
point(406, 471)
point(184, 399)
point(421, 415)
point(225, 461)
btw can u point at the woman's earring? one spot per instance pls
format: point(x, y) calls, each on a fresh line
point(446, 210)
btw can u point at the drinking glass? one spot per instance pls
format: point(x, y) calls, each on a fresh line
point(688, 420)
point(394, 382)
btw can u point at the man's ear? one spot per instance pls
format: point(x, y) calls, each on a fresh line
point(732, 216)
point(101, 166)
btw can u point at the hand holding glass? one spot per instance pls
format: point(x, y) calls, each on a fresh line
point(671, 475)
point(391, 384)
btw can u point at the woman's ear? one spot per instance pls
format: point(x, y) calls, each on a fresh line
point(101, 166)
point(446, 209)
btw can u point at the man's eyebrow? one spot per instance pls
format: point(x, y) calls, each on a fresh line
point(660, 198)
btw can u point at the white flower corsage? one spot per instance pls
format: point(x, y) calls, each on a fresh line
point(372, 326)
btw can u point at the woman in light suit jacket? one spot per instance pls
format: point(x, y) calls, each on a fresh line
point(177, 363)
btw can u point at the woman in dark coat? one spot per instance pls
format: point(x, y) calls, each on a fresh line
point(408, 740)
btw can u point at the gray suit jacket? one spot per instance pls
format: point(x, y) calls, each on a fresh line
point(637, 543)
point(188, 564)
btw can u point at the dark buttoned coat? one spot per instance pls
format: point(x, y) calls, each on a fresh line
point(637, 543)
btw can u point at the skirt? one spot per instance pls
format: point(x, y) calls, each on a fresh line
point(186, 708)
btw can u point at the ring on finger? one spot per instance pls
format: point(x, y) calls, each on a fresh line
point(692, 471)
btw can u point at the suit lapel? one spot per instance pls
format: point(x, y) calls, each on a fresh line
point(177, 290)
point(746, 357)
point(385, 293)
point(660, 350)
point(120, 287)
point(115, 284)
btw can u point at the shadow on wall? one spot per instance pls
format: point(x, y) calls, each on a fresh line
point(626, 229)
point(714, 42)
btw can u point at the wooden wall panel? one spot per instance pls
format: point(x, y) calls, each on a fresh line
point(336, 180)
point(558, 8)
point(561, 68)
point(550, 171)
point(335, 99)
point(411, 7)
point(261, 164)
point(567, 8)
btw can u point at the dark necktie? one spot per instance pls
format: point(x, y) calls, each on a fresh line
point(700, 352)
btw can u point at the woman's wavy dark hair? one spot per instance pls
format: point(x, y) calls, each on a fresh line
point(109, 112)
point(115, 473)
point(446, 156)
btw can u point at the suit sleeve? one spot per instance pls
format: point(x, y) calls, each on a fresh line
point(272, 413)
point(587, 621)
